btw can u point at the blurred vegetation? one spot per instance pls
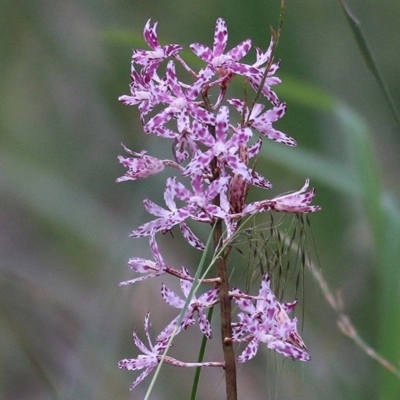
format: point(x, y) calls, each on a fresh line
point(64, 321)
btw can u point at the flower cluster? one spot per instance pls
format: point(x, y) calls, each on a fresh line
point(267, 322)
point(214, 152)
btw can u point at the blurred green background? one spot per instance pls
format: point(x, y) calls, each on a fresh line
point(64, 321)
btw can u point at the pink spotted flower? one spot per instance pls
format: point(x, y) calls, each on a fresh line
point(150, 357)
point(297, 203)
point(154, 354)
point(148, 268)
point(195, 307)
point(267, 322)
point(264, 61)
point(143, 166)
point(151, 59)
point(215, 57)
point(224, 149)
point(167, 218)
point(142, 93)
point(263, 121)
point(180, 102)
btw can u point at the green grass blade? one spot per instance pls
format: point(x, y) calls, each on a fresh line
point(389, 298)
point(382, 212)
point(200, 359)
point(368, 57)
point(192, 292)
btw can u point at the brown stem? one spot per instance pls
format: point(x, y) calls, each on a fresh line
point(226, 319)
point(225, 300)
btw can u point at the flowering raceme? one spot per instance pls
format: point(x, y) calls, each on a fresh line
point(214, 153)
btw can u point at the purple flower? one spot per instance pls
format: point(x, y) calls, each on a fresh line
point(142, 93)
point(151, 59)
point(148, 267)
point(155, 268)
point(270, 80)
point(167, 218)
point(180, 104)
point(196, 305)
point(150, 357)
point(296, 203)
point(202, 196)
point(267, 322)
point(225, 65)
point(215, 57)
point(263, 122)
point(143, 166)
point(224, 149)
point(153, 354)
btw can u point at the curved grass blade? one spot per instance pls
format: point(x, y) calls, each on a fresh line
point(368, 57)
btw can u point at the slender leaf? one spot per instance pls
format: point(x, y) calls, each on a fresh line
point(366, 53)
